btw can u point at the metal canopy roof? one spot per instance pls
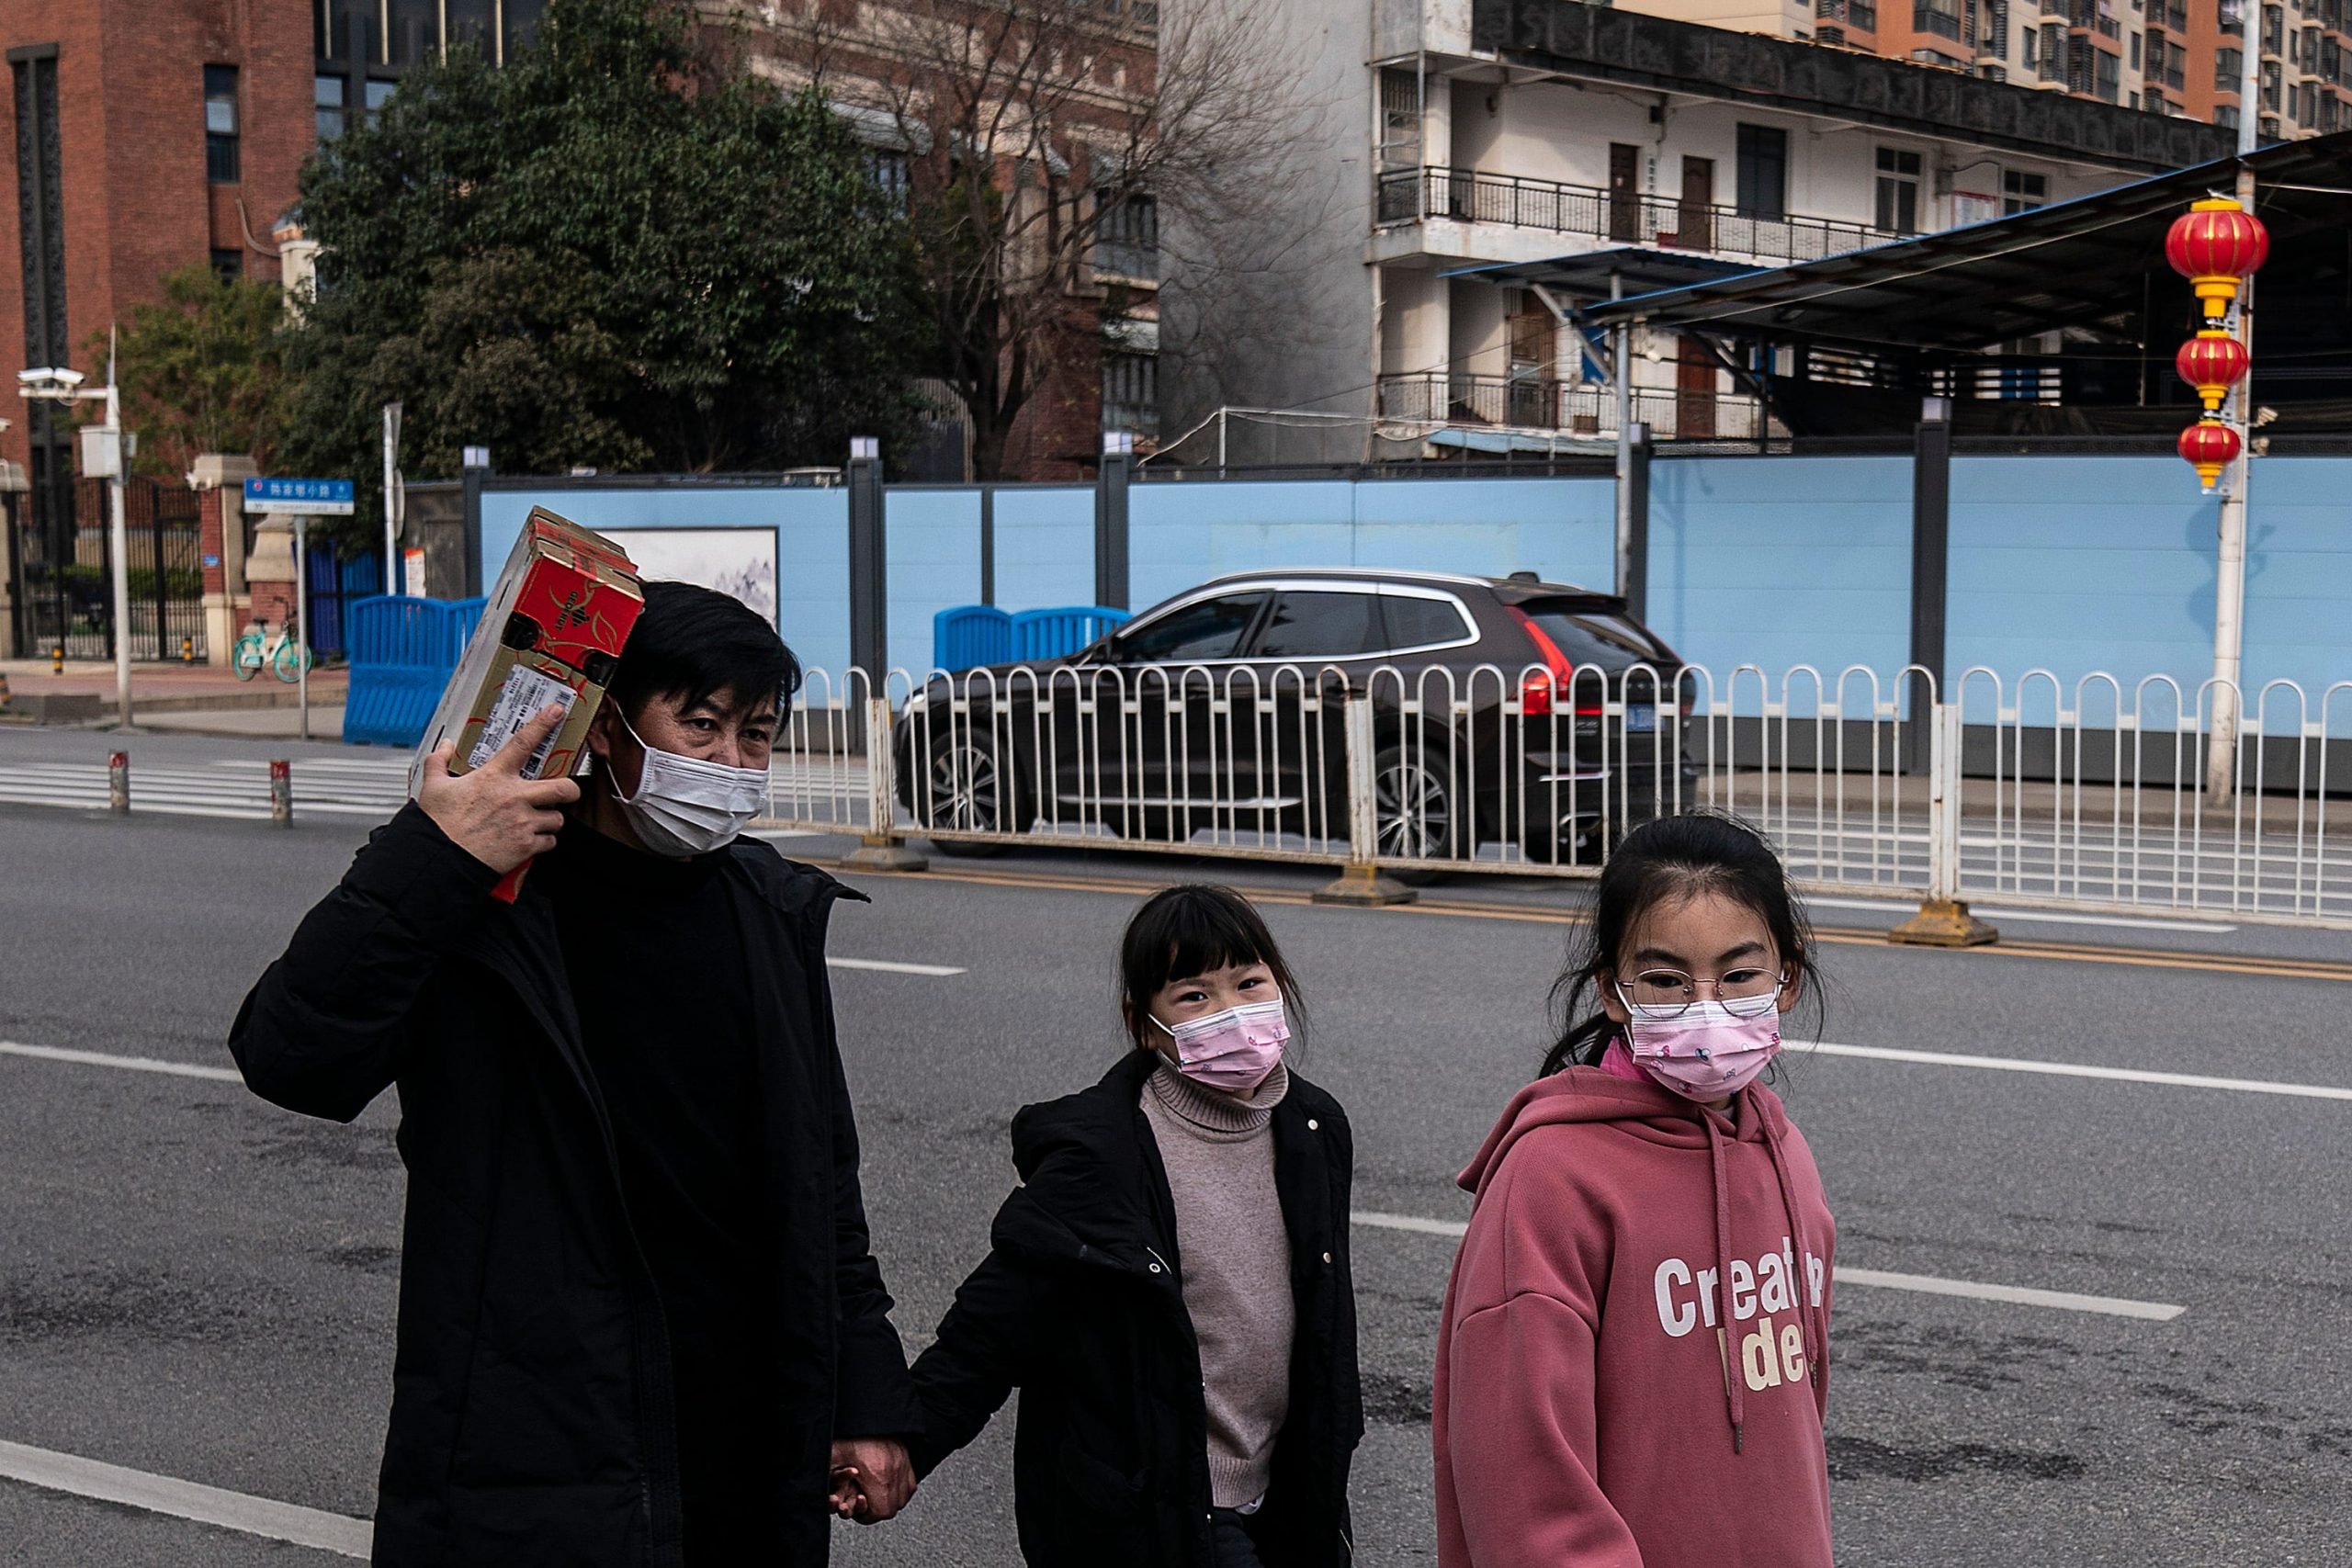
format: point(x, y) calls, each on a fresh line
point(1587, 274)
point(2087, 263)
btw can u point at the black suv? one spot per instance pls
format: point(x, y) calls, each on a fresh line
point(1503, 711)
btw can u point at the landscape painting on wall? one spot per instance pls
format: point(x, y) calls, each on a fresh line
point(740, 562)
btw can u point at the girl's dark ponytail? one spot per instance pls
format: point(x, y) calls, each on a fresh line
point(1672, 857)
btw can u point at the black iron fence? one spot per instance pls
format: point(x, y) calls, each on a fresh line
point(1665, 221)
point(63, 565)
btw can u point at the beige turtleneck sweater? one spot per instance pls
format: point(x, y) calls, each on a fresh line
point(1235, 1252)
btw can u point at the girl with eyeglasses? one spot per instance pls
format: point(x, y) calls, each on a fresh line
point(1633, 1363)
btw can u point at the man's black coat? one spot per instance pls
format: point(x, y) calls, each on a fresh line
point(531, 1417)
point(1081, 1305)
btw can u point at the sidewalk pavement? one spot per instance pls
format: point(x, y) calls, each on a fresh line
point(168, 693)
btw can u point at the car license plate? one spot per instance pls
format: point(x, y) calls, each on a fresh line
point(1641, 719)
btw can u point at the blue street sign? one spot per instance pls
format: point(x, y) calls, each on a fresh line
point(314, 498)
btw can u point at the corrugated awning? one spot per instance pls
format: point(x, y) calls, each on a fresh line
point(2078, 264)
point(1637, 269)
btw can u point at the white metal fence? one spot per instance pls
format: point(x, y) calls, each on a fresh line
point(2088, 794)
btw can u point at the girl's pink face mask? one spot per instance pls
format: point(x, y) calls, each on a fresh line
point(1705, 1050)
point(1235, 1050)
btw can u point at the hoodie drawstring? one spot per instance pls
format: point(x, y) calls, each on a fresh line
point(1816, 1332)
point(1734, 1406)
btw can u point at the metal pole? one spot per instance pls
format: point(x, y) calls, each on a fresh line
point(118, 536)
point(2229, 576)
point(1625, 457)
point(2250, 77)
point(1930, 565)
point(391, 498)
point(301, 619)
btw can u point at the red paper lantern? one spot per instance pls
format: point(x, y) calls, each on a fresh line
point(2213, 244)
point(2211, 362)
point(2209, 446)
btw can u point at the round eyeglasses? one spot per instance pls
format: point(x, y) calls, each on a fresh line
point(1744, 992)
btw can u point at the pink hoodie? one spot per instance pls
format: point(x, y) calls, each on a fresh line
point(1591, 1409)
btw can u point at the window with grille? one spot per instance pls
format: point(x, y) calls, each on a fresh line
point(1898, 190)
point(1762, 174)
point(220, 134)
point(326, 97)
point(1126, 235)
point(1941, 18)
point(2110, 75)
point(2229, 65)
point(891, 176)
point(1400, 118)
point(1131, 391)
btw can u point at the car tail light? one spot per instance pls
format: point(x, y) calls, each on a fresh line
point(1538, 688)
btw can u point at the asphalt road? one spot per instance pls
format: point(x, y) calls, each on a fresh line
point(198, 1286)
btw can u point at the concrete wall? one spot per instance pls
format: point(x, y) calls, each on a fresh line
point(2072, 566)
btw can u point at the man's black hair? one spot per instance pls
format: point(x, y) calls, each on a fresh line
point(693, 643)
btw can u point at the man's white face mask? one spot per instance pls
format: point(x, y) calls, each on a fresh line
point(686, 807)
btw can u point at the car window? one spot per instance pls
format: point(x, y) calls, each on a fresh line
point(1321, 624)
point(1592, 638)
point(1210, 630)
point(1422, 623)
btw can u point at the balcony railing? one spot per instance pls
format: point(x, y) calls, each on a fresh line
point(1569, 408)
point(1662, 221)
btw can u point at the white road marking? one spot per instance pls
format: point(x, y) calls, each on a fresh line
point(1409, 1222)
point(2049, 916)
point(288, 1522)
point(1876, 1279)
point(129, 1064)
point(2065, 1300)
point(891, 966)
point(2072, 1069)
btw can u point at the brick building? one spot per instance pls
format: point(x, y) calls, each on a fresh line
point(932, 87)
point(153, 135)
point(150, 135)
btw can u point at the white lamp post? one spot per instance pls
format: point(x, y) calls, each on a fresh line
point(56, 384)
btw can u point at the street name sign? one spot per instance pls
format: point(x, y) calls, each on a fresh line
point(308, 498)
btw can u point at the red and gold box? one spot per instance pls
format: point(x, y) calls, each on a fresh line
point(552, 633)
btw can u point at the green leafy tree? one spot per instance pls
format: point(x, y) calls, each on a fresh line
point(620, 251)
point(202, 371)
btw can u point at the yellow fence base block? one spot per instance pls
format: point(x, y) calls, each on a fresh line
point(1944, 922)
point(1364, 885)
point(885, 851)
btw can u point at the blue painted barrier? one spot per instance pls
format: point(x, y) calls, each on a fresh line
point(969, 636)
point(1058, 632)
point(403, 653)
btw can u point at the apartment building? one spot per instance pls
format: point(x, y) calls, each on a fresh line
point(1521, 159)
point(2176, 57)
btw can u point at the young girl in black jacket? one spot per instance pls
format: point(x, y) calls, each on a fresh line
point(1169, 1286)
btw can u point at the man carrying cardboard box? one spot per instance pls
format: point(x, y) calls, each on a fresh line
point(640, 1320)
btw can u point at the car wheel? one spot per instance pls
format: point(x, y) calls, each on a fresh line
point(1418, 812)
point(964, 789)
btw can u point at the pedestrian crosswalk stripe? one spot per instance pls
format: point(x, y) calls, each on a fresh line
point(236, 790)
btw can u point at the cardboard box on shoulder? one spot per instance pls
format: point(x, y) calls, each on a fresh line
point(552, 632)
